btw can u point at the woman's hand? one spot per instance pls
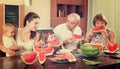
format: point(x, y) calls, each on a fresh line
point(12, 53)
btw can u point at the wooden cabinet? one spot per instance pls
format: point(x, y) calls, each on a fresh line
point(61, 8)
point(9, 15)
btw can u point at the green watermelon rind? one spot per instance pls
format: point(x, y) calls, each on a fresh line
point(88, 62)
point(100, 46)
point(89, 50)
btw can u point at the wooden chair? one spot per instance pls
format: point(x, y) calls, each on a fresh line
point(2, 54)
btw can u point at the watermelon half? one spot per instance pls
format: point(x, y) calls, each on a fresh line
point(41, 57)
point(112, 47)
point(89, 51)
point(29, 58)
point(98, 29)
point(78, 37)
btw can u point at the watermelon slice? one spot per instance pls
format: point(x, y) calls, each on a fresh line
point(100, 46)
point(55, 42)
point(112, 47)
point(41, 57)
point(69, 56)
point(98, 29)
point(78, 37)
point(60, 56)
point(48, 50)
point(29, 58)
point(36, 48)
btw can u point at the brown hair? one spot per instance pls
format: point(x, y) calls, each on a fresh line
point(100, 17)
point(29, 17)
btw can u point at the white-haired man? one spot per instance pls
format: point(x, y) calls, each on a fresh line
point(64, 31)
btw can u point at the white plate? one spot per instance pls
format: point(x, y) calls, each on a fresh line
point(65, 50)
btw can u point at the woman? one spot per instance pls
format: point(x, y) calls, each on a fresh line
point(28, 36)
point(102, 37)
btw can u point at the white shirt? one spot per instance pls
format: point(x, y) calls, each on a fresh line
point(61, 31)
point(27, 46)
point(8, 42)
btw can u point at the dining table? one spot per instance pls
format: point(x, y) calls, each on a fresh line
point(107, 62)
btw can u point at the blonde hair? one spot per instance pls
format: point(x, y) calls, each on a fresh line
point(8, 26)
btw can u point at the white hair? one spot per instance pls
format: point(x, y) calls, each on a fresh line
point(74, 15)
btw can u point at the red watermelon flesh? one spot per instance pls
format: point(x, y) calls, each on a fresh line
point(98, 29)
point(49, 50)
point(41, 57)
point(100, 46)
point(69, 56)
point(61, 56)
point(112, 47)
point(29, 58)
point(36, 48)
point(55, 42)
point(76, 36)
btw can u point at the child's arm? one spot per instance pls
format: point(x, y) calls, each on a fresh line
point(8, 43)
point(7, 50)
point(15, 48)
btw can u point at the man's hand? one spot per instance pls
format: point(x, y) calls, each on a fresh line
point(69, 40)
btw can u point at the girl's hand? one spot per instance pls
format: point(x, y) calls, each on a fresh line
point(21, 47)
point(41, 43)
point(104, 34)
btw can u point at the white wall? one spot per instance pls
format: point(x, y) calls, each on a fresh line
point(42, 8)
point(12, 2)
point(111, 9)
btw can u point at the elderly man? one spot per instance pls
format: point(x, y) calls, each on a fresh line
point(64, 31)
